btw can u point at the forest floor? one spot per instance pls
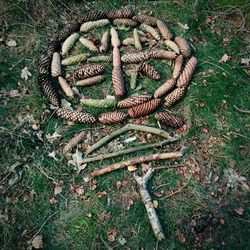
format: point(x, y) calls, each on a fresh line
point(202, 198)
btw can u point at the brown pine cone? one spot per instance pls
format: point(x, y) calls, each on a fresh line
point(164, 30)
point(169, 119)
point(122, 13)
point(75, 116)
point(145, 19)
point(92, 16)
point(144, 108)
point(112, 117)
point(187, 73)
point(124, 21)
point(48, 89)
point(177, 66)
point(136, 57)
point(53, 46)
point(43, 64)
point(68, 30)
point(173, 97)
point(150, 71)
point(118, 83)
point(105, 41)
point(116, 57)
point(134, 101)
point(88, 71)
point(162, 54)
point(183, 46)
point(164, 88)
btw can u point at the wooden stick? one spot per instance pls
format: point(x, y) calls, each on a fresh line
point(146, 198)
point(130, 150)
point(134, 161)
point(124, 129)
point(241, 110)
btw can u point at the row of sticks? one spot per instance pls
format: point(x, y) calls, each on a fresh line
point(141, 181)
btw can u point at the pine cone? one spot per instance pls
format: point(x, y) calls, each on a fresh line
point(177, 66)
point(173, 97)
point(99, 103)
point(164, 30)
point(115, 41)
point(173, 46)
point(136, 57)
point(48, 89)
point(144, 108)
point(92, 16)
point(164, 88)
point(162, 54)
point(89, 71)
point(91, 80)
point(150, 71)
point(88, 44)
point(68, 30)
point(56, 65)
point(122, 13)
point(69, 43)
point(43, 64)
point(137, 41)
point(52, 46)
point(74, 59)
point(145, 19)
point(124, 21)
point(116, 57)
point(105, 41)
point(97, 59)
point(183, 46)
point(153, 32)
point(73, 142)
point(187, 72)
point(134, 101)
point(65, 87)
point(75, 116)
point(128, 41)
point(85, 27)
point(117, 81)
point(112, 117)
point(169, 119)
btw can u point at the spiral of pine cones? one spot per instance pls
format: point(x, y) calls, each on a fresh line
point(56, 66)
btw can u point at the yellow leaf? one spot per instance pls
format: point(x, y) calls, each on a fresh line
point(132, 168)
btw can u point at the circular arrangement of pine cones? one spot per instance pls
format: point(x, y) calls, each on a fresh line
point(58, 79)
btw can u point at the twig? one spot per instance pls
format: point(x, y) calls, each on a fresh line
point(50, 178)
point(124, 129)
point(40, 229)
point(179, 190)
point(134, 161)
point(241, 110)
point(146, 198)
point(130, 150)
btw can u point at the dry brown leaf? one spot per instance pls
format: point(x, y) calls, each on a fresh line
point(111, 233)
point(53, 201)
point(58, 188)
point(101, 194)
point(37, 242)
point(118, 186)
point(239, 211)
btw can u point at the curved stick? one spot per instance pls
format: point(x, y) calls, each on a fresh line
point(124, 129)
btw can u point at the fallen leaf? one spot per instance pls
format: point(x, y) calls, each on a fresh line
point(132, 168)
point(224, 58)
point(14, 93)
point(183, 26)
point(78, 190)
point(122, 241)
point(145, 167)
point(53, 201)
point(88, 215)
point(53, 155)
point(118, 186)
point(53, 137)
point(101, 194)
point(25, 73)
point(66, 104)
point(239, 211)
point(26, 195)
point(155, 203)
point(130, 139)
point(245, 61)
point(76, 159)
point(111, 232)
point(37, 242)
point(58, 188)
point(182, 238)
point(13, 167)
point(11, 43)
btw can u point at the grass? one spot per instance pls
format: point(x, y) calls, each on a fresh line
point(202, 215)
